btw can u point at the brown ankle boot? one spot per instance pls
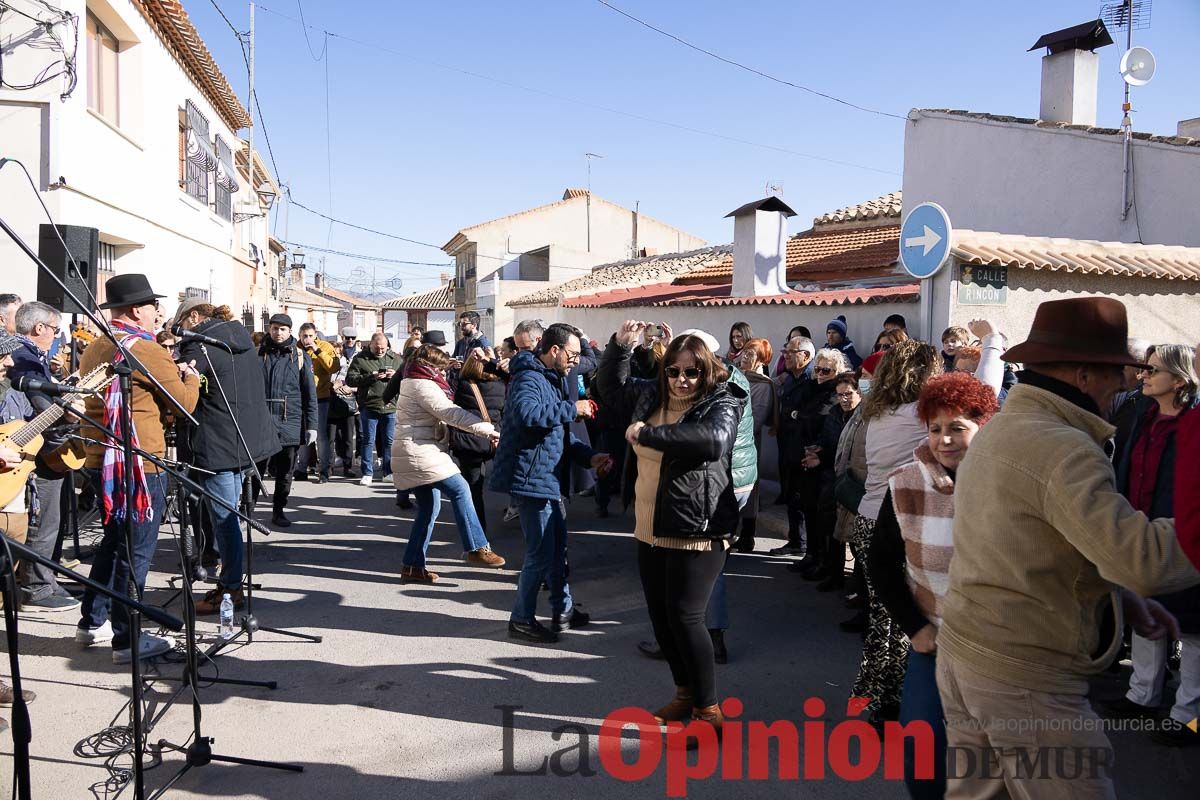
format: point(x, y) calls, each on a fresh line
point(710, 714)
point(679, 709)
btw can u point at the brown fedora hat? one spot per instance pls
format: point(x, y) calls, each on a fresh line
point(1082, 330)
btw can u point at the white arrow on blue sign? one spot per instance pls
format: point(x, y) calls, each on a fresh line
point(925, 240)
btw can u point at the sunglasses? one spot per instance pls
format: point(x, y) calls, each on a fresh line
point(824, 370)
point(691, 373)
point(846, 395)
point(1148, 371)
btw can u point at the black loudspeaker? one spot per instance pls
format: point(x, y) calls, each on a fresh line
point(83, 244)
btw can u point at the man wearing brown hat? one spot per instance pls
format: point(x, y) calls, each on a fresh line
point(1048, 560)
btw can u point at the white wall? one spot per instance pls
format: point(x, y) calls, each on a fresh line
point(122, 180)
point(1018, 178)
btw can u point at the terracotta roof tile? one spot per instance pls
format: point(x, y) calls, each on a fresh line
point(631, 273)
point(1169, 262)
point(344, 297)
point(1184, 141)
point(175, 28)
point(439, 299)
point(884, 206)
point(666, 294)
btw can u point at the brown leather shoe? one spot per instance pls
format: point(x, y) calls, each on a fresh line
point(8, 696)
point(484, 557)
point(211, 602)
point(679, 709)
point(710, 714)
point(418, 574)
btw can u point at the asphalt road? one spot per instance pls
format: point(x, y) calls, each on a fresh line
point(418, 689)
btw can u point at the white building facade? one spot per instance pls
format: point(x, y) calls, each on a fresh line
point(137, 138)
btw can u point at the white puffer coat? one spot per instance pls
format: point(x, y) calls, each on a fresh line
point(420, 452)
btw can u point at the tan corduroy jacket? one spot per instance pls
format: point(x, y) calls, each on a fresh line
point(1042, 540)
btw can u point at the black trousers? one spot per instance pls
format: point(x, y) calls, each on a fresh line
point(472, 472)
point(342, 435)
point(801, 489)
point(280, 465)
point(677, 585)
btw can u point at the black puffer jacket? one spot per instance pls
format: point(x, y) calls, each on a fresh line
point(291, 390)
point(466, 446)
point(215, 442)
point(804, 406)
point(695, 489)
point(1185, 605)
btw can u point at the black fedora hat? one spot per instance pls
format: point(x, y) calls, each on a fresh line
point(1081, 330)
point(435, 338)
point(132, 289)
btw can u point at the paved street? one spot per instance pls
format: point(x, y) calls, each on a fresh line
point(402, 695)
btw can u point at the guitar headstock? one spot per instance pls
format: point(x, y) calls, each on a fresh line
point(96, 380)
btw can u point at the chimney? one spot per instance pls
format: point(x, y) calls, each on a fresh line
point(319, 281)
point(1189, 128)
point(1071, 72)
point(760, 248)
point(445, 278)
point(296, 276)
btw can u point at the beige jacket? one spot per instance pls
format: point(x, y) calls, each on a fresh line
point(1042, 540)
point(420, 449)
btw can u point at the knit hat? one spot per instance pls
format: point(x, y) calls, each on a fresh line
point(871, 362)
point(838, 325)
point(280, 319)
point(8, 344)
point(709, 340)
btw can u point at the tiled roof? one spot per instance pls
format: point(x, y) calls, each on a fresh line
point(666, 294)
point(630, 273)
point(345, 297)
point(302, 297)
point(824, 252)
point(884, 206)
point(180, 36)
point(570, 194)
point(1185, 141)
point(439, 299)
point(1169, 262)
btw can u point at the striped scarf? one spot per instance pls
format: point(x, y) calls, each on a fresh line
point(923, 498)
point(112, 471)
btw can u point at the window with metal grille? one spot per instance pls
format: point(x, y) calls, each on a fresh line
point(200, 159)
point(224, 184)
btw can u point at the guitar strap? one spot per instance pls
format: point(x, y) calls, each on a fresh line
point(483, 412)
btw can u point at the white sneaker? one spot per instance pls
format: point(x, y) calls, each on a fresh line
point(511, 513)
point(149, 646)
point(365, 480)
point(90, 636)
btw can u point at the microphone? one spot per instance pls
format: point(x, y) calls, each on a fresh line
point(187, 335)
point(27, 384)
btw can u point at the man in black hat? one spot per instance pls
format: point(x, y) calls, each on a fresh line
point(1043, 544)
point(292, 398)
point(435, 338)
point(134, 307)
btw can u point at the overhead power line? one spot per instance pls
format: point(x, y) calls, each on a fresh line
point(298, 204)
point(741, 66)
point(588, 104)
point(325, 48)
point(220, 11)
point(363, 257)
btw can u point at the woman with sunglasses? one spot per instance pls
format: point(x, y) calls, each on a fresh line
point(678, 477)
point(1145, 468)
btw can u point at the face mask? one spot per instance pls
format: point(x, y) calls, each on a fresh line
point(864, 386)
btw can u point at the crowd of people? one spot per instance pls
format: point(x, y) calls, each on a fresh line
point(989, 578)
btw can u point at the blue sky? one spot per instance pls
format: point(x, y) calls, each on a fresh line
point(421, 150)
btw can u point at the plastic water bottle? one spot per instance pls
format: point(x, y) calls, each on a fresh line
point(226, 617)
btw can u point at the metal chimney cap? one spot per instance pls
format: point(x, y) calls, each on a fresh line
point(1086, 36)
point(766, 204)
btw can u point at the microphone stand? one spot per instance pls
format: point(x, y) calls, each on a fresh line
point(124, 371)
point(22, 732)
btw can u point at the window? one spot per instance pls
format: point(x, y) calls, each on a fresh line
point(103, 56)
point(360, 320)
point(199, 159)
point(224, 184)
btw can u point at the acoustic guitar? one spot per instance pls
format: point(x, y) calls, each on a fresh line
point(26, 437)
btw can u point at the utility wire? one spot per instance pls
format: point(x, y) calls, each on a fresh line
point(369, 258)
point(236, 32)
point(739, 65)
point(298, 204)
point(587, 104)
point(315, 57)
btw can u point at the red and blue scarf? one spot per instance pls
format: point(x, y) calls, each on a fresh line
point(116, 505)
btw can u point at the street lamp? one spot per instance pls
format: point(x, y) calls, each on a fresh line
point(297, 259)
point(267, 197)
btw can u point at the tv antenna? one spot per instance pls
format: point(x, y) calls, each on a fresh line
point(774, 189)
point(1137, 68)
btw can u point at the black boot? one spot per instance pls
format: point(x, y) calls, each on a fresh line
point(745, 542)
point(278, 519)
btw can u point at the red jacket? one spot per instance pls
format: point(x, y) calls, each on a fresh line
point(1187, 487)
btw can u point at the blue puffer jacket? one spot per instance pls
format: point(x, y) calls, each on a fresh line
point(536, 445)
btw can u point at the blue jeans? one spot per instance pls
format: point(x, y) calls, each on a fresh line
point(376, 429)
point(920, 700)
point(110, 562)
point(716, 616)
point(227, 528)
point(429, 503)
point(545, 532)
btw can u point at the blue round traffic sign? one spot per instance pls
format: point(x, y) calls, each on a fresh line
point(925, 240)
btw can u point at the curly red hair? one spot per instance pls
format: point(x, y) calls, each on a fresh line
point(959, 392)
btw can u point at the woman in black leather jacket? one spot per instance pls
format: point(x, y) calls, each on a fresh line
point(677, 475)
point(472, 452)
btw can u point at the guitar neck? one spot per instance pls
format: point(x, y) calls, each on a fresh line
point(37, 426)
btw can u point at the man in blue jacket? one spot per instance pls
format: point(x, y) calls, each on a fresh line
point(533, 464)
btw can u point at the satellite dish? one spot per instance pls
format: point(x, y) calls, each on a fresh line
point(1137, 66)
